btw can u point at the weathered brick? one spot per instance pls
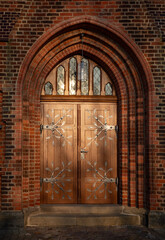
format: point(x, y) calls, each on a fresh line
point(22, 23)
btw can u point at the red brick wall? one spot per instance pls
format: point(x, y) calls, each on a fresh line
point(2, 145)
point(140, 92)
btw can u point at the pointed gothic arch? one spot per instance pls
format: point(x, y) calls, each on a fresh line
point(122, 60)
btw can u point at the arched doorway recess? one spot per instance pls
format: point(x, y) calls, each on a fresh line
point(125, 65)
point(78, 134)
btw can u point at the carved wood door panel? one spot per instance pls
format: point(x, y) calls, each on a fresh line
point(98, 153)
point(59, 153)
point(78, 153)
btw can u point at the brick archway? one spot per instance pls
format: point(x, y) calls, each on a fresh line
point(127, 68)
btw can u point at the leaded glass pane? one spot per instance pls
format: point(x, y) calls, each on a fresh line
point(84, 76)
point(48, 88)
point(72, 76)
point(96, 81)
point(60, 80)
point(108, 89)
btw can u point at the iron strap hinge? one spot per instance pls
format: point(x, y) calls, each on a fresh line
point(44, 127)
point(47, 180)
point(51, 127)
point(113, 180)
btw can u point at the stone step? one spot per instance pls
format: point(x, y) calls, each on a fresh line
point(82, 220)
point(81, 215)
point(80, 208)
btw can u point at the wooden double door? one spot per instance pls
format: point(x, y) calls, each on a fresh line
point(78, 153)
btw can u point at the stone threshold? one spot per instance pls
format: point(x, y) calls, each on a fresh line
point(84, 215)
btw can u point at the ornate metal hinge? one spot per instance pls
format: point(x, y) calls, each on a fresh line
point(112, 180)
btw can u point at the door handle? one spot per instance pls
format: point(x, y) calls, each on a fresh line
point(83, 151)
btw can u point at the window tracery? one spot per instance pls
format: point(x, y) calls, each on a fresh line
point(78, 76)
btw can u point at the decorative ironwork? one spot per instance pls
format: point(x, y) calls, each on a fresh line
point(100, 127)
point(100, 178)
point(58, 179)
point(100, 130)
point(57, 128)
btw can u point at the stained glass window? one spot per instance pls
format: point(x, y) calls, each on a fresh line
point(78, 76)
point(72, 76)
point(108, 89)
point(84, 76)
point(60, 80)
point(48, 88)
point(96, 81)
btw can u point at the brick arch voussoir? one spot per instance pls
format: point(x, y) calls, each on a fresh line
point(85, 20)
point(115, 73)
point(55, 30)
point(35, 69)
point(36, 74)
